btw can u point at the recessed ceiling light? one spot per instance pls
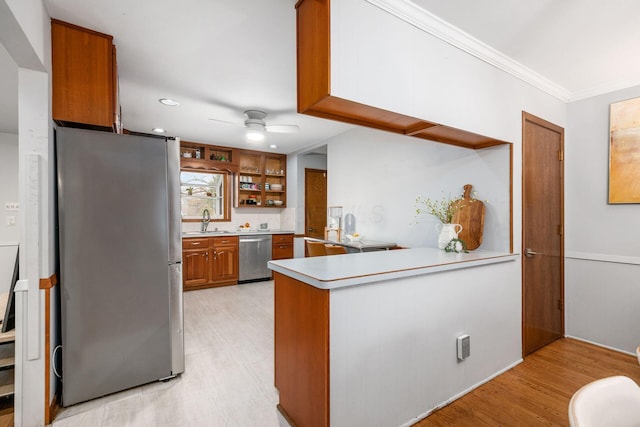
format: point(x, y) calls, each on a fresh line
point(169, 102)
point(273, 146)
point(159, 130)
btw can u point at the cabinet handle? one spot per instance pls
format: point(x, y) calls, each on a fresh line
point(283, 247)
point(206, 255)
point(215, 254)
point(195, 243)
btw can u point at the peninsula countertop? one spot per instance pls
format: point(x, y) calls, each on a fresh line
point(336, 271)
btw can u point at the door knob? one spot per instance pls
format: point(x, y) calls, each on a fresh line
point(310, 229)
point(529, 253)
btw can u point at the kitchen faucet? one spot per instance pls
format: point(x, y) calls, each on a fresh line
point(206, 217)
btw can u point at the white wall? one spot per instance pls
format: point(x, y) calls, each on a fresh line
point(602, 290)
point(393, 343)
point(25, 33)
point(9, 235)
point(9, 185)
point(380, 60)
point(377, 176)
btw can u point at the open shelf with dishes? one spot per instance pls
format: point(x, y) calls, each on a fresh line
point(261, 180)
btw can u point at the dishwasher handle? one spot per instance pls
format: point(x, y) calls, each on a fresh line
point(253, 240)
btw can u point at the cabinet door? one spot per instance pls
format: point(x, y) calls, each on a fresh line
point(282, 246)
point(83, 80)
point(195, 267)
point(225, 264)
point(282, 251)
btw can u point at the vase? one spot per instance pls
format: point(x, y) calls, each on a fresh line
point(448, 232)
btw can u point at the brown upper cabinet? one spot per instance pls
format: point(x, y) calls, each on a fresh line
point(261, 180)
point(314, 88)
point(85, 78)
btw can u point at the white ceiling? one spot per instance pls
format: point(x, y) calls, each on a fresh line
point(585, 46)
point(221, 57)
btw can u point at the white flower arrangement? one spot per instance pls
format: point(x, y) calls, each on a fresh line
point(457, 246)
point(443, 209)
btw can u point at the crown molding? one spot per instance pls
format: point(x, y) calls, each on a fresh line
point(418, 17)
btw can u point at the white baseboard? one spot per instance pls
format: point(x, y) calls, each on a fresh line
point(601, 345)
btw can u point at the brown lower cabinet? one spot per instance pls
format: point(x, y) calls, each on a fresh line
point(282, 246)
point(209, 262)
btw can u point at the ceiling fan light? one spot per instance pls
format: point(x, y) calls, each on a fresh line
point(255, 135)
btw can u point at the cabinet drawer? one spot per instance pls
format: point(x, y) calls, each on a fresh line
point(225, 241)
point(195, 243)
point(282, 251)
point(282, 238)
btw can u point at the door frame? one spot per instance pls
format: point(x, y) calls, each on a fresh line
point(527, 117)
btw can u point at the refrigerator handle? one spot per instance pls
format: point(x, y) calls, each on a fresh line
point(173, 193)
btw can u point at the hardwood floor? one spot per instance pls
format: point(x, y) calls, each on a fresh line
point(536, 392)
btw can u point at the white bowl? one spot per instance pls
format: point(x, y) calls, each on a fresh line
point(353, 238)
point(276, 187)
point(278, 202)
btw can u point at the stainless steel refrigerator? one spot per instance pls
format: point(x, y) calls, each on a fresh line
point(120, 261)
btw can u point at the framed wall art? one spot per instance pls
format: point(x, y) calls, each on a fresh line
point(624, 152)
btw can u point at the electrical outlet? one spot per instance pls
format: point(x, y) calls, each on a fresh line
point(11, 220)
point(464, 346)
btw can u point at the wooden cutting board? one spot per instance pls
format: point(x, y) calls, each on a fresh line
point(470, 215)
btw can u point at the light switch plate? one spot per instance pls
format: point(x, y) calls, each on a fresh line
point(11, 206)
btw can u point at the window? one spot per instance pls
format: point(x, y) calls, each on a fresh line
point(204, 190)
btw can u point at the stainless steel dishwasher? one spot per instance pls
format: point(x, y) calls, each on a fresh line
point(255, 252)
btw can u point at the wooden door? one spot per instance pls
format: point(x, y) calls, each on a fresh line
point(542, 233)
point(195, 269)
point(315, 202)
point(225, 264)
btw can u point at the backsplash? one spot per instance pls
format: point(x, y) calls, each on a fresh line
point(278, 219)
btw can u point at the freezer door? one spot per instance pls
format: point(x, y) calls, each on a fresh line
point(115, 293)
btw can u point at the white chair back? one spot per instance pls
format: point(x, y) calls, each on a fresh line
point(613, 401)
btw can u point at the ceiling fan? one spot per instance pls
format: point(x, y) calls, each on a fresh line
point(256, 125)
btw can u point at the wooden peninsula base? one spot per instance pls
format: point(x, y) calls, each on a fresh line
point(369, 339)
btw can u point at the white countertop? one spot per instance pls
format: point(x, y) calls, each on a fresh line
point(330, 272)
point(195, 234)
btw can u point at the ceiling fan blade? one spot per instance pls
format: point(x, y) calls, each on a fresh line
point(228, 123)
point(283, 128)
